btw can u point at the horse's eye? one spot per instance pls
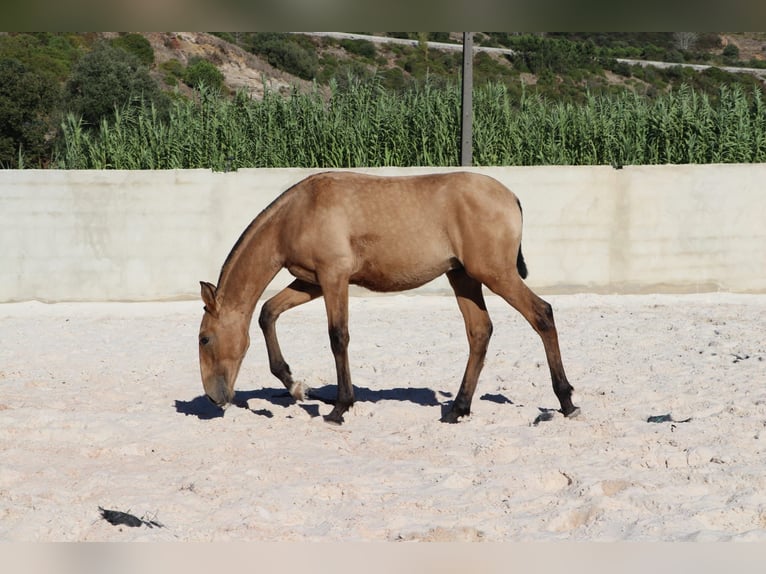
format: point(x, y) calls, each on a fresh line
point(204, 340)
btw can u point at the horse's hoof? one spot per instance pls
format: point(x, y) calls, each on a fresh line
point(451, 417)
point(575, 413)
point(333, 419)
point(299, 391)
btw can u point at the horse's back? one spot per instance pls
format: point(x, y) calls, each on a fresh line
point(422, 209)
point(435, 192)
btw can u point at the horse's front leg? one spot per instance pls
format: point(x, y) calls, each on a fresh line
point(336, 301)
point(297, 293)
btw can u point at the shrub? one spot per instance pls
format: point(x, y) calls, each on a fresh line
point(288, 52)
point(173, 70)
point(438, 37)
point(43, 52)
point(137, 45)
point(202, 71)
point(363, 48)
point(730, 53)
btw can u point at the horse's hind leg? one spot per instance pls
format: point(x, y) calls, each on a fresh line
point(539, 314)
point(479, 330)
point(297, 293)
point(335, 289)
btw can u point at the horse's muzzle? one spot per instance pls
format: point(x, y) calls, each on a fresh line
point(223, 405)
point(218, 394)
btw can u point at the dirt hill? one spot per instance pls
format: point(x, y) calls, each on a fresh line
point(241, 69)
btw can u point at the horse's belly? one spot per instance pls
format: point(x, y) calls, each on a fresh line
point(392, 274)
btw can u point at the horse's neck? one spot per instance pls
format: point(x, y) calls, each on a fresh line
point(250, 268)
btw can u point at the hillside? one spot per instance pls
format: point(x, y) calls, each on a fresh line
point(56, 85)
point(242, 70)
point(397, 63)
point(248, 71)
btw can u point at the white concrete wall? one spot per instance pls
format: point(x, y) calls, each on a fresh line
point(151, 235)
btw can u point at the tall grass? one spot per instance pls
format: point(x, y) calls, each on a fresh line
point(679, 127)
point(363, 124)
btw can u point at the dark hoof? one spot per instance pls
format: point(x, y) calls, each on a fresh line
point(335, 417)
point(451, 417)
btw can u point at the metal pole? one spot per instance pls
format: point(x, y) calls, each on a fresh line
point(466, 125)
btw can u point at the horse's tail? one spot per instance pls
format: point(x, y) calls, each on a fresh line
point(521, 266)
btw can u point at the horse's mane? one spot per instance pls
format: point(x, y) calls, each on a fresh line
point(265, 215)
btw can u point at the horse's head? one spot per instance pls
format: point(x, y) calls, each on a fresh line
point(223, 342)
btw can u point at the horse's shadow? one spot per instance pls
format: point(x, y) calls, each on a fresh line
point(203, 409)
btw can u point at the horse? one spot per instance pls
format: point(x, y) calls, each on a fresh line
point(386, 234)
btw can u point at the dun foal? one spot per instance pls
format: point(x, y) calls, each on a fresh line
point(386, 234)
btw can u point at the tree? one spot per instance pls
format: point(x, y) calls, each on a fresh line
point(27, 101)
point(685, 40)
point(107, 78)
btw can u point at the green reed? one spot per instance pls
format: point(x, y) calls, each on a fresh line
point(363, 124)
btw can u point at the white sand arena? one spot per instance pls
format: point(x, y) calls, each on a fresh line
point(101, 406)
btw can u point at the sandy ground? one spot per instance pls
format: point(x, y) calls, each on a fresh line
point(101, 406)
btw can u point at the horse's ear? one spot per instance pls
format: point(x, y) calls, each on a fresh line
point(208, 297)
